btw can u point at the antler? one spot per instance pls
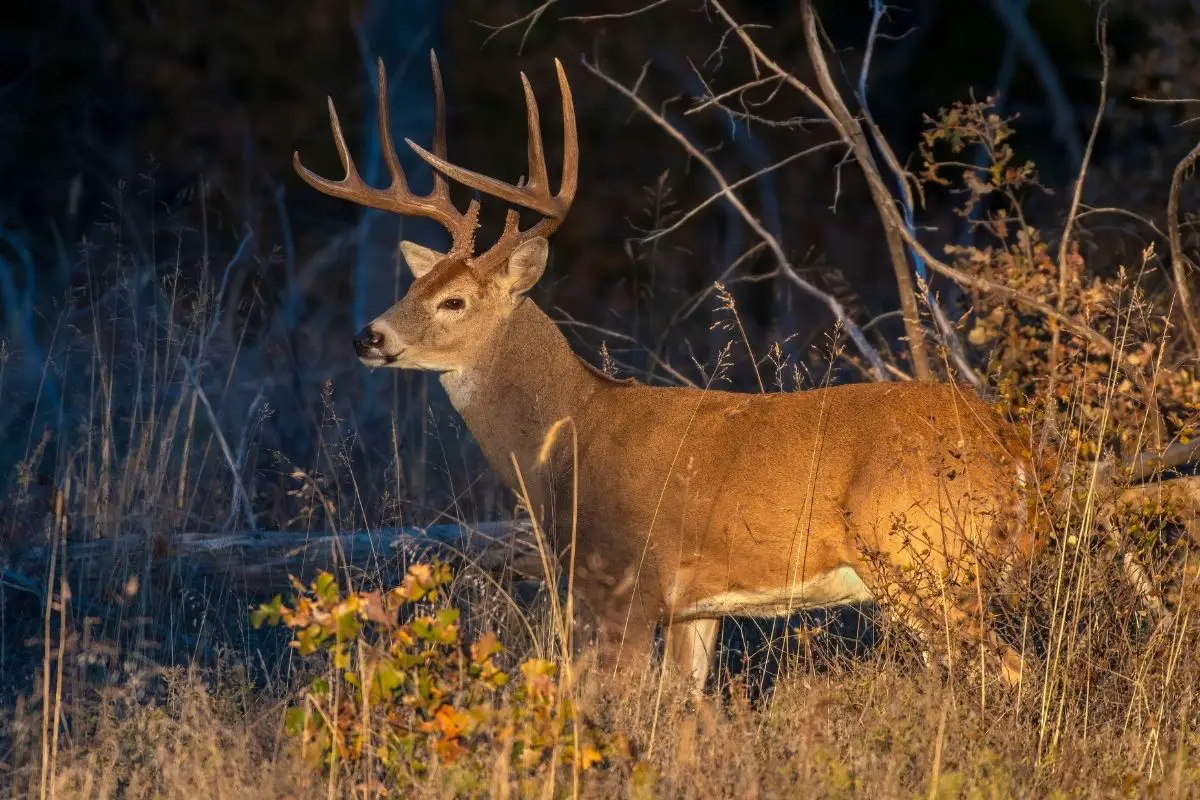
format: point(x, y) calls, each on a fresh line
point(398, 198)
point(533, 193)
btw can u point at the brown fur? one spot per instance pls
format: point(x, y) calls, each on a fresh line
point(692, 504)
point(686, 495)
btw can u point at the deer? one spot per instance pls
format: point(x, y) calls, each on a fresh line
point(678, 506)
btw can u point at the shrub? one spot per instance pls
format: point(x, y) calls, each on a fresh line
point(401, 696)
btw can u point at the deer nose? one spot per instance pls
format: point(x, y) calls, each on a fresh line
point(367, 340)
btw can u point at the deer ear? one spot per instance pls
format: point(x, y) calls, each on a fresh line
point(420, 259)
point(525, 266)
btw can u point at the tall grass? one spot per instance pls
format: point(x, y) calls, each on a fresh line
point(181, 405)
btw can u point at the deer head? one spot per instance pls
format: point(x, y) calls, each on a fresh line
point(459, 302)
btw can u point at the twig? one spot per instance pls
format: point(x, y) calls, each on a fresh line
point(663, 365)
point(689, 308)
point(1187, 100)
point(713, 99)
point(679, 223)
point(1065, 245)
point(1149, 223)
point(240, 453)
point(964, 279)
point(853, 135)
point(239, 488)
point(616, 15)
point(1178, 262)
point(531, 18)
point(1012, 16)
point(878, 369)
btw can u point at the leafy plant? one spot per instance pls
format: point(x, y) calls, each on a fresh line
point(1144, 396)
point(402, 696)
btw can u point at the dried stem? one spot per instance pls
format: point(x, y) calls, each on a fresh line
point(1178, 260)
point(878, 369)
point(852, 134)
point(888, 210)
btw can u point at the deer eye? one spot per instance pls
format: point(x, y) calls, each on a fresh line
point(452, 304)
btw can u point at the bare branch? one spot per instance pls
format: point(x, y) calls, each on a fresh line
point(1065, 244)
point(878, 368)
point(1124, 212)
point(1066, 130)
point(616, 15)
point(851, 133)
point(1167, 100)
point(679, 223)
point(714, 99)
point(945, 330)
point(1178, 260)
point(879, 192)
point(529, 19)
point(241, 496)
point(973, 281)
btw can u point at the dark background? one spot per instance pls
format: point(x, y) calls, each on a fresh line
point(145, 149)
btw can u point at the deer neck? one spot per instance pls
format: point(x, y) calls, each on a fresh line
point(517, 389)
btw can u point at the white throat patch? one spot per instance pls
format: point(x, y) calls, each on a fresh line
point(462, 386)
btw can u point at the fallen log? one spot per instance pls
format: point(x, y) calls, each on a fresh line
point(259, 564)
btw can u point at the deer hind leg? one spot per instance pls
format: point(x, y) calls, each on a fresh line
point(921, 612)
point(689, 648)
point(967, 616)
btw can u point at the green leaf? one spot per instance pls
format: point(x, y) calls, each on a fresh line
point(389, 677)
point(294, 720)
point(341, 655)
point(267, 612)
point(347, 626)
point(325, 587)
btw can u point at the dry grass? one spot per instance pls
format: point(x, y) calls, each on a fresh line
point(879, 729)
point(145, 685)
point(149, 417)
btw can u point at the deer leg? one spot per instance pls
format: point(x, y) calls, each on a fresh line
point(689, 648)
point(902, 609)
point(917, 613)
point(625, 642)
point(967, 617)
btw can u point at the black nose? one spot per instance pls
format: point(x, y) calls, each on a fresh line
point(368, 339)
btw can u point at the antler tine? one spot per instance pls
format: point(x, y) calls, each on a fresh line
point(538, 181)
point(538, 185)
point(398, 198)
point(463, 239)
point(569, 181)
point(570, 172)
point(349, 186)
point(512, 234)
point(399, 183)
point(440, 187)
point(535, 194)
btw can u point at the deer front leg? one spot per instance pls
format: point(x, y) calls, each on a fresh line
point(625, 643)
point(689, 648)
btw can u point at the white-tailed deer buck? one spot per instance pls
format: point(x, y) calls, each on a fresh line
point(692, 504)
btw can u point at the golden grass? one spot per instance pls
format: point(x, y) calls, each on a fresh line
point(880, 729)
